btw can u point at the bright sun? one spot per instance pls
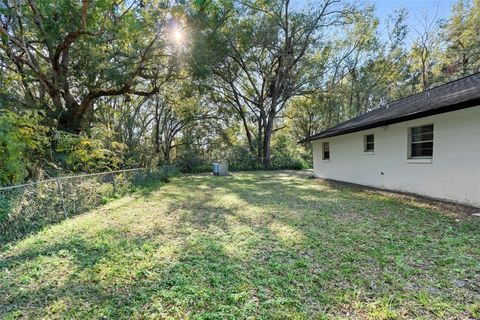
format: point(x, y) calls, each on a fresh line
point(178, 36)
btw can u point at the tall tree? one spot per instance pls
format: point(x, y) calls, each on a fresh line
point(363, 70)
point(268, 50)
point(461, 35)
point(75, 53)
point(424, 49)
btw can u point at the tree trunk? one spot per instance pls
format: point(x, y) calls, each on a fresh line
point(247, 131)
point(166, 153)
point(71, 121)
point(266, 148)
point(424, 70)
point(157, 128)
point(259, 141)
point(267, 137)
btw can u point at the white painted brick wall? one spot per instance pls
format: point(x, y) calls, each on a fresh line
point(453, 174)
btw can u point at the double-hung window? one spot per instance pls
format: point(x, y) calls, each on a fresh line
point(326, 151)
point(420, 142)
point(369, 143)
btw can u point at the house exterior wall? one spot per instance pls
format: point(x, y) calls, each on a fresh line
point(452, 174)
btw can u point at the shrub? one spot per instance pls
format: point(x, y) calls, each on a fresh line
point(81, 153)
point(22, 140)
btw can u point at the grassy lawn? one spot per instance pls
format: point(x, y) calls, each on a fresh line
point(253, 245)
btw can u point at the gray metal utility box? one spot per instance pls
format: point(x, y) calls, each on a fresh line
point(220, 169)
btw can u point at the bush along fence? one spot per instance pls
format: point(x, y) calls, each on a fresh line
point(28, 207)
point(243, 164)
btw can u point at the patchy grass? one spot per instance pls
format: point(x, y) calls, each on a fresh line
point(257, 245)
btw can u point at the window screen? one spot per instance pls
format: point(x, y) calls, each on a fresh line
point(421, 142)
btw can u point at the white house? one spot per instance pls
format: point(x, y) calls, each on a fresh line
point(427, 143)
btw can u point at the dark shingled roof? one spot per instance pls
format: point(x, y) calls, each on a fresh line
point(455, 95)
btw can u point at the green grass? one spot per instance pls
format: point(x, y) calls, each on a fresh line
point(260, 245)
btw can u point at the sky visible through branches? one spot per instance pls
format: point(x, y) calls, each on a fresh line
point(417, 9)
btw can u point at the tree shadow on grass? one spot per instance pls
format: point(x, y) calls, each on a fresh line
point(116, 275)
point(202, 280)
point(372, 239)
point(73, 258)
point(335, 241)
point(257, 245)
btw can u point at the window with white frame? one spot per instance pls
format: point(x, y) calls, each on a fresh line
point(326, 151)
point(369, 143)
point(420, 142)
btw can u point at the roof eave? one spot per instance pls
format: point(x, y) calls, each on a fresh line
point(412, 116)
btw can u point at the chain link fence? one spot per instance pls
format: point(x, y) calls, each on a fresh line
point(29, 207)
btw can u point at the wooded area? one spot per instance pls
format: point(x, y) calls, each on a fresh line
point(90, 86)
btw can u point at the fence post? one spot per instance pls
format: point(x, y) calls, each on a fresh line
point(60, 191)
point(113, 183)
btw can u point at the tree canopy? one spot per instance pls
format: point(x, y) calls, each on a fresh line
point(94, 85)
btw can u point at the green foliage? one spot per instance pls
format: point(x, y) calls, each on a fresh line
point(287, 154)
point(190, 161)
point(22, 143)
point(461, 34)
point(105, 86)
point(80, 153)
point(306, 116)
